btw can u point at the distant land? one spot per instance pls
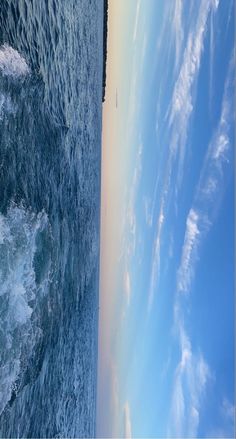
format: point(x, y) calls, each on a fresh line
point(105, 29)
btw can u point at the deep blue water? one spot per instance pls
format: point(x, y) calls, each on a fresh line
point(50, 157)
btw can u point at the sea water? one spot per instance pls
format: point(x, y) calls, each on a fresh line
point(50, 156)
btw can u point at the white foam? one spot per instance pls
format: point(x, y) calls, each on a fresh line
point(19, 231)
point(21, 311)
point(12, 63)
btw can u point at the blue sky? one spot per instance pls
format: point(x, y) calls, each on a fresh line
point(173, 346)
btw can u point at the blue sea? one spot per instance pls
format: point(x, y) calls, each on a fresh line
point(51, 61)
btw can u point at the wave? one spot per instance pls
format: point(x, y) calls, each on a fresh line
point(12, 63)
point(20, 232)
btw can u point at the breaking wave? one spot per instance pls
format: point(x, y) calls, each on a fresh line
point(20, 231)
point(12, 63)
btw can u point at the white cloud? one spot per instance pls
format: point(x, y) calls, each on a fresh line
point(215, 4)
point(182, 100)
point(178, 29)
point(191, 378)
point(207, 196)
point(178, 117)
point(136, 21)
point(228, 410)
point(191, 241)
point(221, 146)
point(210, 187)
point(127, 422)
point(147, 210)
point(183, 97)
point(192, 372)
point(127, 286)
point(213, 27)
point(219, 150)
point(227, 418)
point(155, 270)
point(184, 92)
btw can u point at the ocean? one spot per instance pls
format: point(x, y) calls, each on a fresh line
point(51, 62)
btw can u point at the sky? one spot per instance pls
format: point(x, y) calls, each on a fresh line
point(166, 319)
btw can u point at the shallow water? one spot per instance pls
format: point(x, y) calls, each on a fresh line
point(50, 154)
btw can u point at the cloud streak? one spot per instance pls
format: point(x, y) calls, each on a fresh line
point(192, 372)
point(208, 194)
point(191, 242)
point(127, 286)
point(178, 29)
point(155, 271)
point(228, 410)
point(178, 120)
point(136, 21)
point(127, 422)
point(191, 377)
point(183, 97)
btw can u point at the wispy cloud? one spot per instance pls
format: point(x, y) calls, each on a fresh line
point(127, 286)
point(213, 27)
point(226, 416)
point(211, 185)
point(228, 410)
point(127, 422)
point(191, 377)
point(178, 29)
point(189, 251)
point(155, 271)
point(136, 21)
point(178, 120)
point(183, 97)
point(147, 203)
point(192, 372)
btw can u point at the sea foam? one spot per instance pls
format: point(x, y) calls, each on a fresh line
point(19, 232)
point(12, 63)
